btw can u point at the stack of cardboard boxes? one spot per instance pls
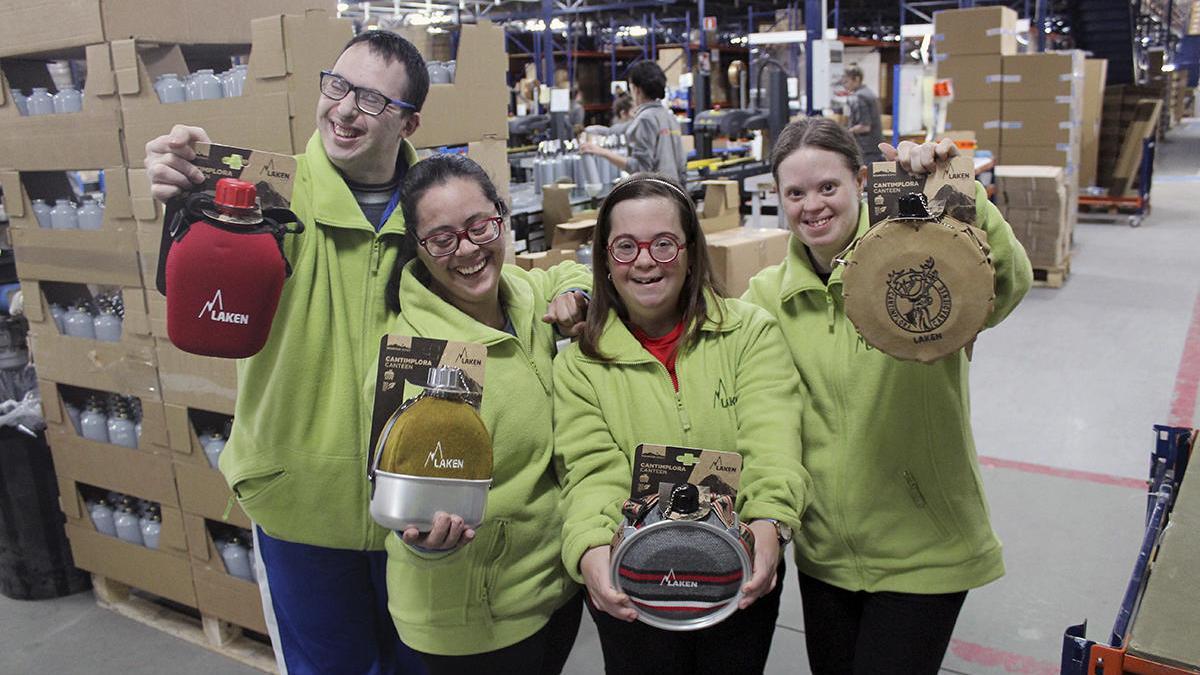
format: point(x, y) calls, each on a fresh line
point(176, 395)
point(1035, 201)
point(970, 46)
point(1131, 115)
point(123, 45)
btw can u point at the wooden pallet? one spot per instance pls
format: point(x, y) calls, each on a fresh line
point(211, 633)
point(1052, 277)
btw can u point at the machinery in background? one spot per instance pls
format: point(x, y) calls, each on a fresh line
point(768, 112)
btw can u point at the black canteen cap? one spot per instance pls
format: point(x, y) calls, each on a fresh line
point(913, 205)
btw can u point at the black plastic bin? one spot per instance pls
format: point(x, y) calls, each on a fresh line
point(35, 558)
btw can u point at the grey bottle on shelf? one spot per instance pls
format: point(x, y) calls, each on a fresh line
point(68, 100)
point(41, 211)
point(40, 102)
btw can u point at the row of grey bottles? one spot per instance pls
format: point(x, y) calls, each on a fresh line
point(99, 319)
point(561, 161)
point(203, 85)
point(237, 552)
point(64, 215)
point(136, 521)
point(41, 102)
point(111, 419)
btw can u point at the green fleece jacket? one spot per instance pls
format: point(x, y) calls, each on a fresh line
point(503, 586)
point(898, 503)
point(731, 394)
point(296, 458)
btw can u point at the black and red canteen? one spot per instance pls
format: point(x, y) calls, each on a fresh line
point(682, 560)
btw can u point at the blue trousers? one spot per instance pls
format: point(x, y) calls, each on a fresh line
point(331, 609)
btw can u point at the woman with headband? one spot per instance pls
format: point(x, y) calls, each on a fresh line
point(664, 359)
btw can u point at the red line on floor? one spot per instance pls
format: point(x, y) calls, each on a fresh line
point(1069, 474)
point(1187, 379)
point(998, 658)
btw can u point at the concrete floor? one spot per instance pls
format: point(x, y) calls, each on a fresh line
point(1065, 392)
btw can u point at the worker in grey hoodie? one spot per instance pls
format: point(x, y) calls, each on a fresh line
point(653, 136)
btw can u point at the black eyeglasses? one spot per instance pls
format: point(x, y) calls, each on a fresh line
point(480, 232)
point(369, 101)
point(663, 249)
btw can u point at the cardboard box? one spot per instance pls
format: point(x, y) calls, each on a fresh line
point(203, 490)
point(37, 26)
point(492, 155)
point(128, 366)
point(674, 63)
point(740, 253)
point(475, 106)
point(1039, 123)
point(977, 77)
point(1064, 155)
point(156, 309)
point(145, 475)
point(107, 255)
point(570, 235)
point(1029, 178)
point(157, 572)
point(153, 440)
point(983, 30)
point(217, 592)
point(1095, 75)
point(193, 381)
point(982, 117)
point(172, 538)
point(1044, 76)
point(189, 22)
point(87, 139)
point(183, 424)
point(543, 260)
point(277, 111)
point(721, 209)
point(228, 598)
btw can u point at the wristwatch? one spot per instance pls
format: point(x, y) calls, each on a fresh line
point(782, 530)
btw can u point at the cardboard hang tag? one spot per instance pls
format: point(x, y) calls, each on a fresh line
point(271, 173)
point(653, 465)
point(404, 365)
point(950, 189)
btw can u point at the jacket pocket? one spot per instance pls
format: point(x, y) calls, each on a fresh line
point(491, 568)
point(442, 590)
point(918, 499)
point(254, 484)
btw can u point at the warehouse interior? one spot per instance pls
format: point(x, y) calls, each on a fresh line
point(1081, 122)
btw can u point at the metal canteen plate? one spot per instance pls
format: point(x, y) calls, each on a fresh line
point(682, 575)
point(399, 501)
point(919, 289)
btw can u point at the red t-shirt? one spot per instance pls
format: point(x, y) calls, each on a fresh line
point(662, 348)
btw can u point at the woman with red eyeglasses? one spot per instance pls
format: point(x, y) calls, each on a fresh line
point(664, 359)
point(491, 599)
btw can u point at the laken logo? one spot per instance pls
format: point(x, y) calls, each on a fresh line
point(721, 397)
point(215, 309)
point(718, 465)
point(437, 458)
point(466, 360)
point(670, 580)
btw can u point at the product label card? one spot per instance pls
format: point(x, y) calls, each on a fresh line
point(718, 471)
point(271, 173)
point(404, 365)
point(950, 189)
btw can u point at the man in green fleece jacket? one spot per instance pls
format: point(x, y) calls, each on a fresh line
point(296, 456)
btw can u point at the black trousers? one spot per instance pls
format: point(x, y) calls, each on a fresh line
point(543, 653)
point(860, 633)
point(739, 644)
